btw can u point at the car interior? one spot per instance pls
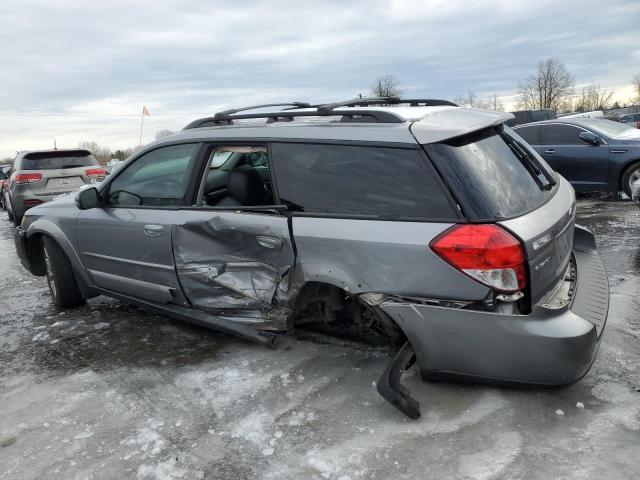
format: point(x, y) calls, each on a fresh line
point(237, 176)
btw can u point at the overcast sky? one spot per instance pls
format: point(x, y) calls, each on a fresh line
point(74, 71)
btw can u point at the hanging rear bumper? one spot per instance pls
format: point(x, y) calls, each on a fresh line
point(550, 346)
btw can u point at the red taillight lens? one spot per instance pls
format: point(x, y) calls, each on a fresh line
point(486, 253)
point(21, 178)
point(31, 202)
point(3, 183)
point(95, 172)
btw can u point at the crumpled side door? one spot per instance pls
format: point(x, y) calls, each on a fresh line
point(235, 264)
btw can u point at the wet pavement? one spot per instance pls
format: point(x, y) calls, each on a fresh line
point(109, 391)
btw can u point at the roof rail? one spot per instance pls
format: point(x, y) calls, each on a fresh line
point(226, 113)
point(226, 117)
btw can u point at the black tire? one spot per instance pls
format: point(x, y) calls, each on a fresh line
point(16, 220)
point(631, 174)
point(60, 277)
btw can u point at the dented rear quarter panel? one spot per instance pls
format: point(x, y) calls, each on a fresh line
point(378, 256)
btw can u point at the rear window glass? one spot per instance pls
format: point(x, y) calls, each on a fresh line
point(57, 160)
point(488, 177)
point(358, 180)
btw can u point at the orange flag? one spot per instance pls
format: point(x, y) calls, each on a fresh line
point(145, 111)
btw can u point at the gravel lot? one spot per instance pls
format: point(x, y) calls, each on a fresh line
point(108, 391)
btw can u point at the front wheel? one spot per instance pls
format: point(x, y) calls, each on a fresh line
point(631, 175)
point(62, 282)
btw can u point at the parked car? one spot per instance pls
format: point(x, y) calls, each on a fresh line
point(631, 118)
point(528, 116)
point(39, 176)
point(5, 172)
point(593, 154)
point(431, 226)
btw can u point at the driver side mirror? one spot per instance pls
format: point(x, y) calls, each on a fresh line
point(87, 198)
point(590, 138)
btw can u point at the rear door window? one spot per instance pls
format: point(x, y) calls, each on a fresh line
point(57, 160)
point(359, 180)
point(488, 175)
point(557, 134)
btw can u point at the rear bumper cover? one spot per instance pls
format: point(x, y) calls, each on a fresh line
point(547, 347)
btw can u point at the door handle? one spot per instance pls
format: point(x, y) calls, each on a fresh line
point(269, 242)
point(550, 151)
point(153, 230)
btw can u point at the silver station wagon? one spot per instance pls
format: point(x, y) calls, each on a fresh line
point(415, 222)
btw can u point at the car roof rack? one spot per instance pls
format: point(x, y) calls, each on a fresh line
point(226, 117)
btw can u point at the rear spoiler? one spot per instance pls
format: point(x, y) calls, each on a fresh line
point(449, 123)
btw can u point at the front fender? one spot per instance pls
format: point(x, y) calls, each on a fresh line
point(45, 226)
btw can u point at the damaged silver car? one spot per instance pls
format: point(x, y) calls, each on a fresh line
point(432, 227)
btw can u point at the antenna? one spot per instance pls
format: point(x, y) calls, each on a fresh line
point(55, 146)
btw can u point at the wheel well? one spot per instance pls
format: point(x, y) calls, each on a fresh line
point(35, 252)
point(340, 312)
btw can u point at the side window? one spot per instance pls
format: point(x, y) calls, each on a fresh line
point(556, 134)
point(158, 178)
point(531, 134)
point(359, 180)
point(236, 176)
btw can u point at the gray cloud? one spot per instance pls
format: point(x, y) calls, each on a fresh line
point(79, 70)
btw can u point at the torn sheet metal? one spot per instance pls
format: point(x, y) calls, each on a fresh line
point(225, 265)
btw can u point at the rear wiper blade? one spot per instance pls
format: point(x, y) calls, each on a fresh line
point(531, 164)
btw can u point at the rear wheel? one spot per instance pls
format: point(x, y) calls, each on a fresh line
point(62, 282)
point(630, 176)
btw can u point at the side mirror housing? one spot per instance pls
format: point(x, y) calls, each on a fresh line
point(590, 138)
point(87, 198)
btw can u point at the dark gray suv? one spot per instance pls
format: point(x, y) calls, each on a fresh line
point(38, 176)
point(430, 226)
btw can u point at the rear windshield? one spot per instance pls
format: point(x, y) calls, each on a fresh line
point(57, 160)
point(494, 173)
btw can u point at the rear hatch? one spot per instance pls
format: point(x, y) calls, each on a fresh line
point(497, 178)
point(60, 171)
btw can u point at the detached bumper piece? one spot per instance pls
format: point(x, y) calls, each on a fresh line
point(389, 384)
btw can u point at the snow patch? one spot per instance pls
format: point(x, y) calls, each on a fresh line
point(490, 463)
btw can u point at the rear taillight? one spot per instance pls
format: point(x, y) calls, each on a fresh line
point(95, 172)
point(3, 183)
point(22, 178)
point(486, 253)
point(31, 202)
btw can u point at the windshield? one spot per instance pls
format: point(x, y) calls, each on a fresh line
point(610, 128)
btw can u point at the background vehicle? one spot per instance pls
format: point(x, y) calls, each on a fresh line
point(4, 175)
point(631, 118)
point(361, 221)
point(38, 176)
point(593, 154)
point(528, 116)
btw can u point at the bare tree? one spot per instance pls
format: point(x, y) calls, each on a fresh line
point(636, 87)
point(551, 87)
point(471, 100)
point(594, 97)
point(386, 86)
point(163, 133)
point(102, 154)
